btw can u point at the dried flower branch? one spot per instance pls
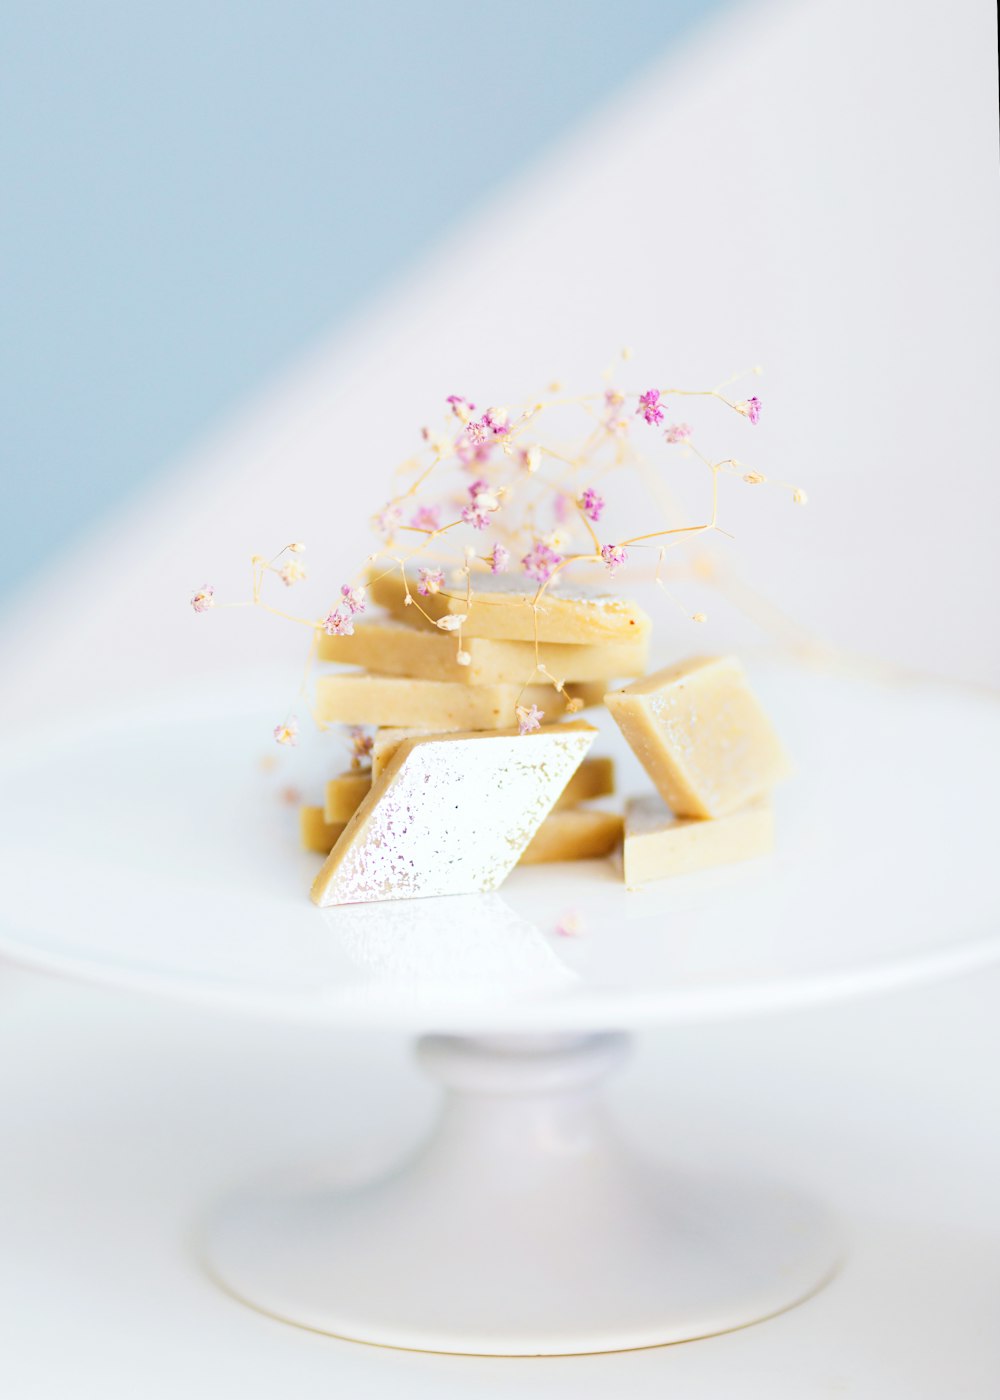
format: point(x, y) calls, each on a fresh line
point(538, 496)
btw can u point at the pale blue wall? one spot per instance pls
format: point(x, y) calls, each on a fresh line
point(194, 190)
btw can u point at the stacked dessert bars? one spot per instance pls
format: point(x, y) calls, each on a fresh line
point(472, 771)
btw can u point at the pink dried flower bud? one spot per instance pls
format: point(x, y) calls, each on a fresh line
point(460, 407)
point(388, 518)
point(499, 559)
point(528, 719)
point(678, 432)
point(614, 557)
point(591, 504)
point(496, 420)
point(649, 406)
point(287, 733)
point(361, 743)
point(354, 598)
point(203, 599)
point(569, 925)
point(541, 562)
point(477, 433)
point(292, 572)
point(427, 518)
point(476, 515)
point(469, 453)
point(338, 624)
point(430, 581)
point(750, 408)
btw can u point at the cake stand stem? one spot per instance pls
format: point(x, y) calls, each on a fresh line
point(523, 1226)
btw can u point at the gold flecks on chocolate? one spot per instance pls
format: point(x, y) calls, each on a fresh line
point(451, 814)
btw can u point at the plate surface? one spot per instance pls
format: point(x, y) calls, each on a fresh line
point(153, 852)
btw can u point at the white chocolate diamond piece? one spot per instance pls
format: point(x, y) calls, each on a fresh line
point(451, 814)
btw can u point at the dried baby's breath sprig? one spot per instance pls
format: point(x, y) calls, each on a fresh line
point(287, 732)
point(569, 924)
point(539, 489)
point(529, 718)
point(359, 743)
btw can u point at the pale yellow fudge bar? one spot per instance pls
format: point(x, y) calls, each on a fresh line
point(392, 648)
point(701, 736)
point(578, 834)
point(659, 844)
point(451, 814)
point(440, 707)
point(595, 777)
point(437, 706)
point(503, 611)
point(385, 742)
point(316, 833)
point(343, 795)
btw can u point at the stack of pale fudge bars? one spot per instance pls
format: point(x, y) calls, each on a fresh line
point(456, 794)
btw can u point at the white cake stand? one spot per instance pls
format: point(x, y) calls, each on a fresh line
point(151, 853)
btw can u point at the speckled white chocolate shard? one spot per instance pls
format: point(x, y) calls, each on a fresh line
point(451, 814)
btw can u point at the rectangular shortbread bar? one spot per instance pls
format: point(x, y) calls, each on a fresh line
point(343, 795)
point(316, 833)
point(439, 707)
point(595, 777)
point(575, 834)
point(436, 706)
point(392, 648)
point(659, 844)
point(498, 610)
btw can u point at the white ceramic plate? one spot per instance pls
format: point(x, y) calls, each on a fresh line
point(152, 852)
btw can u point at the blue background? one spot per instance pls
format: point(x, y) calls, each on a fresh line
point(194, 192)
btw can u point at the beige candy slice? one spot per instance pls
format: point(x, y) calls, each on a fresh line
point(574, 835)
point(659, 844)
point(437, 706)
point(385, 742)
point(595, 777)
point(391, 648)
point(316, 833)
point(343, 795)
point(701, 735)
point(451, 814)
point(500, 611)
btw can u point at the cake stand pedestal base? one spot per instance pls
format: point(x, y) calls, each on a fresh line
point(523, 1227)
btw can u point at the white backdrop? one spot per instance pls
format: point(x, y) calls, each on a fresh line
point(811, 186)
